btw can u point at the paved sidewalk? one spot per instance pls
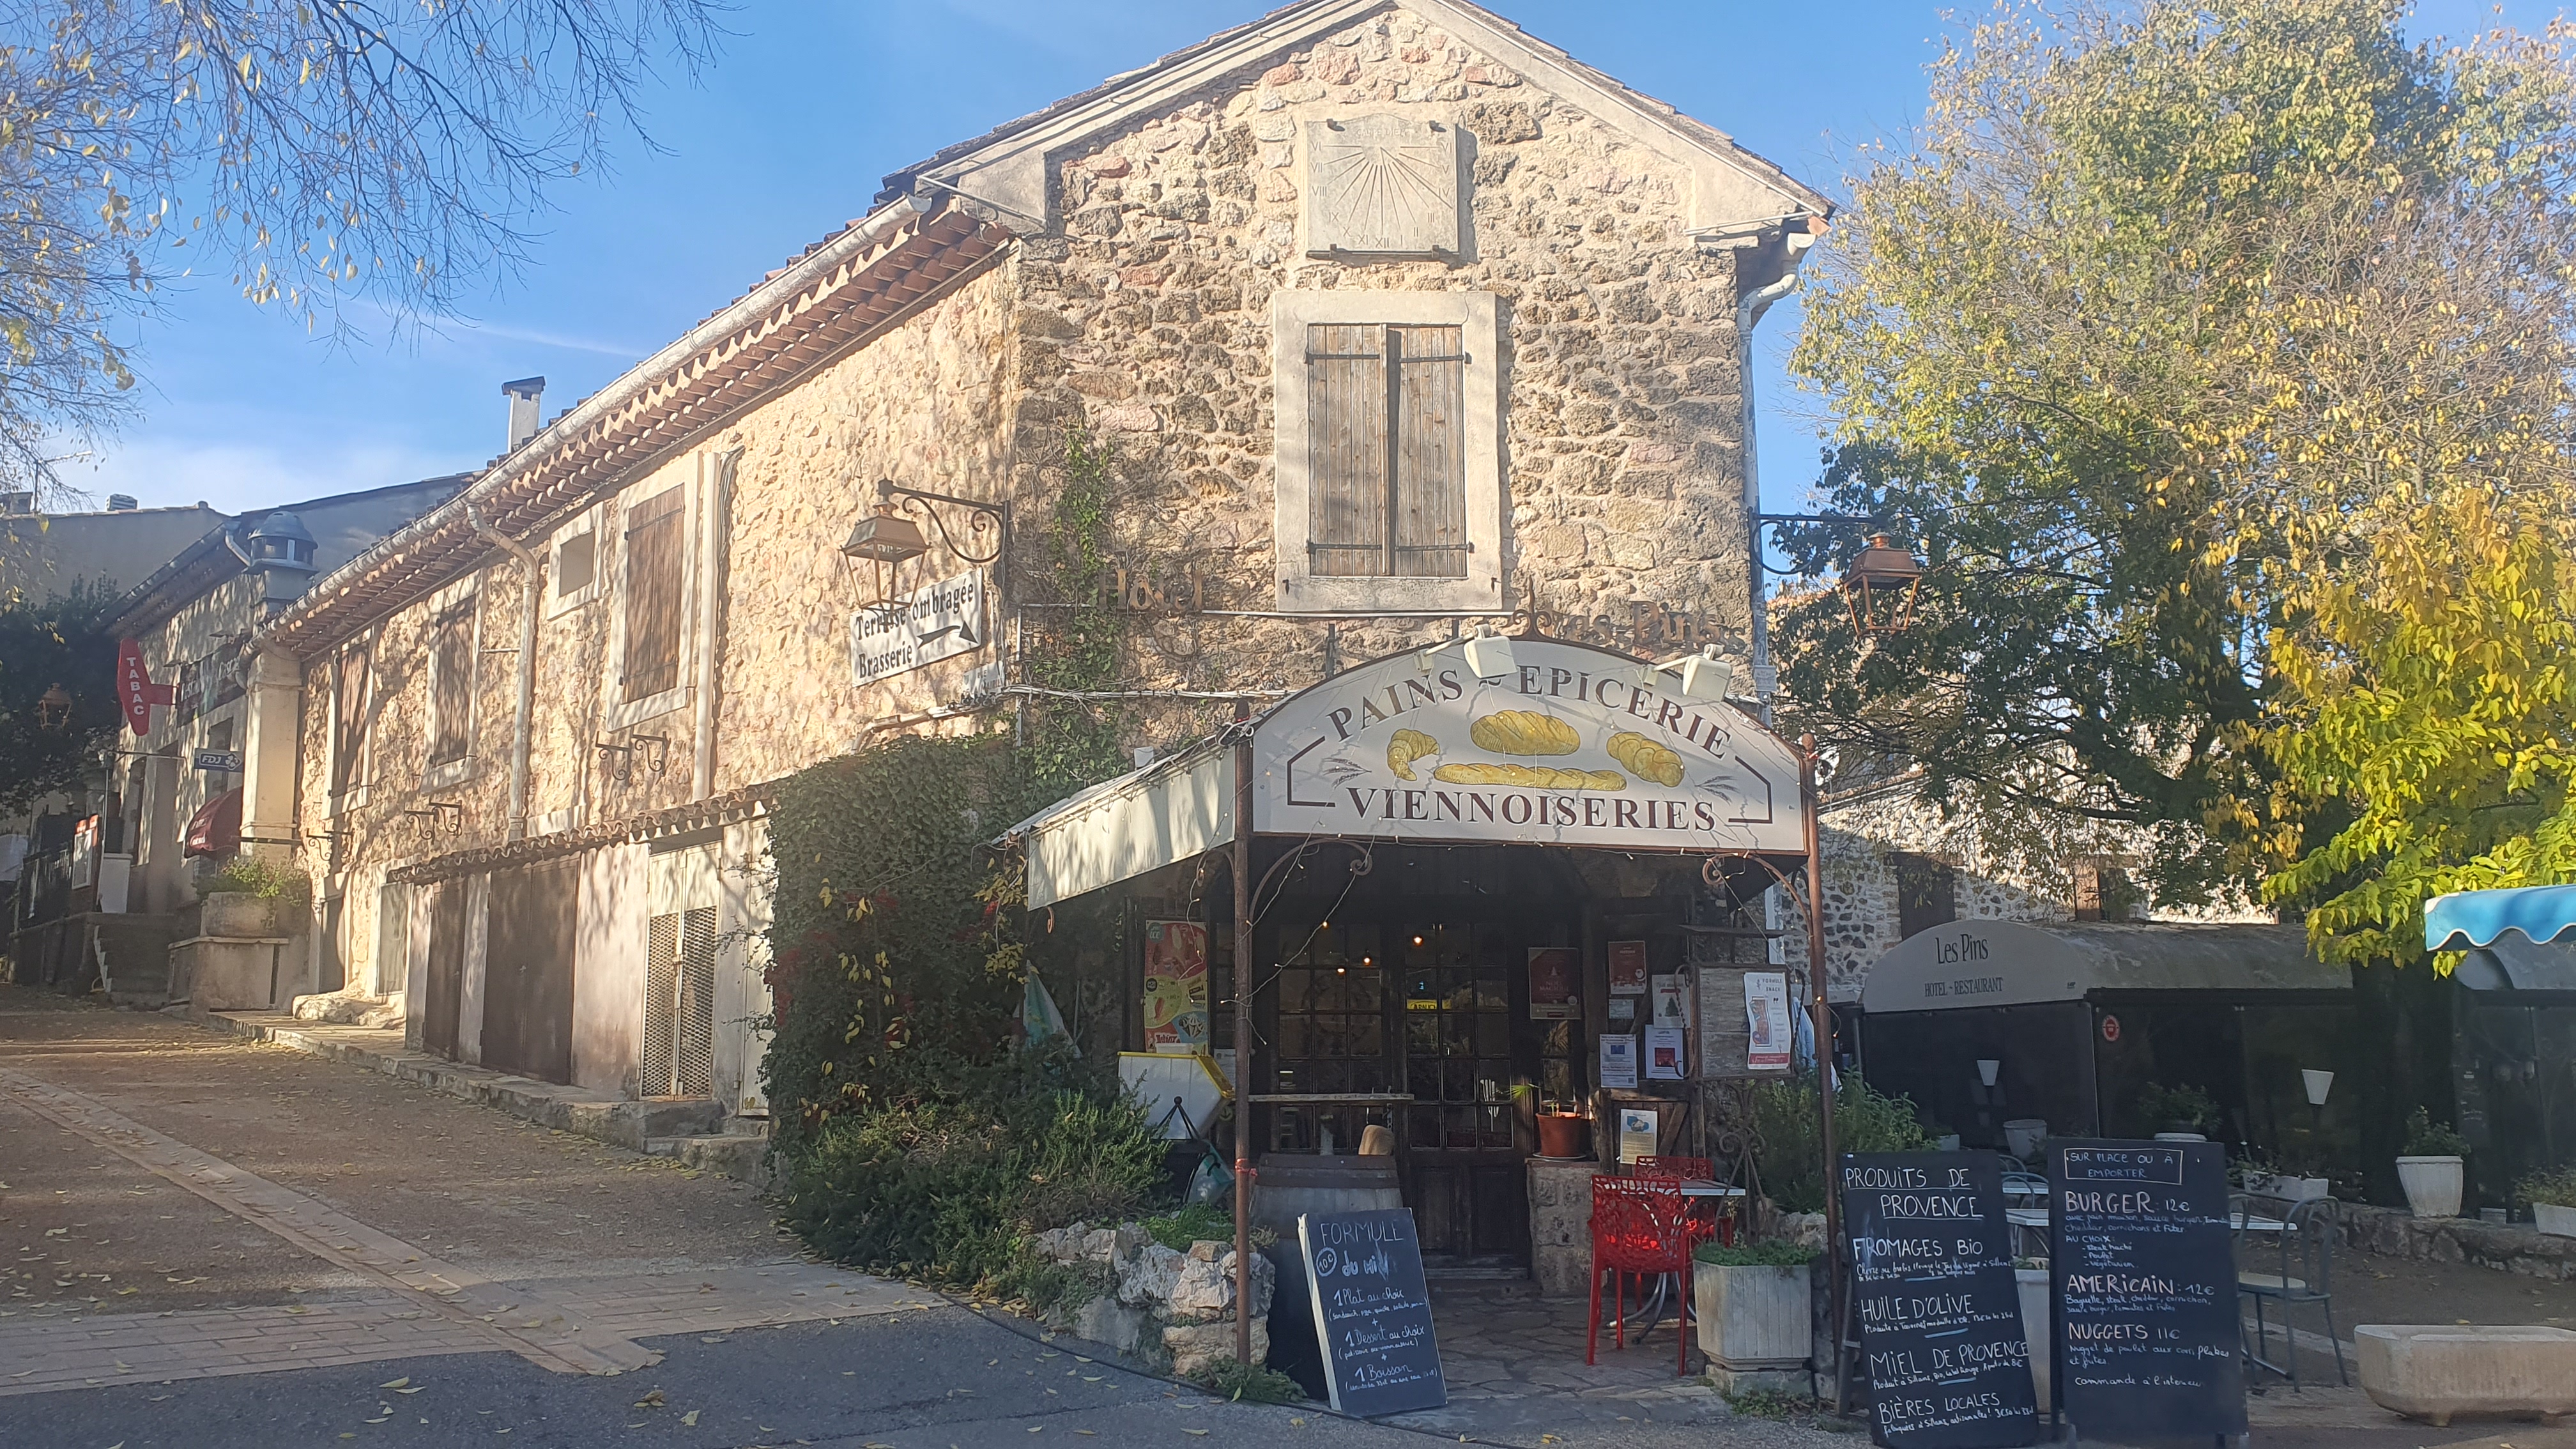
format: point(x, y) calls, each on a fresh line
point(187, 1205)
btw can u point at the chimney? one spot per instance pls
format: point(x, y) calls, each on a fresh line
point(523, 396)
point(122, 503)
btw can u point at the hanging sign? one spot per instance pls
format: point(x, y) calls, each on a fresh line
point(135, 691)
point(937, 621)
point(2144, 1279)
point(1372, 1312)
point(1940, 1315)
point(1768, 1031)
point(229, 761)
point(1541, 741)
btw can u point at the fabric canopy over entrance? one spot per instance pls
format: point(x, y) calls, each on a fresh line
point(2464, 919)
point(2511, 963)
point(2016, 963)
point(1473, 742)
point(216, 827)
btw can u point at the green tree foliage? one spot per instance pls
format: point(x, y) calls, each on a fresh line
point(2427, 728)
point(2160, 312)
point(43, 643)
point(313, 153)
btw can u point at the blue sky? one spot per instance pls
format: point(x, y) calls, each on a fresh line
point(787, 136)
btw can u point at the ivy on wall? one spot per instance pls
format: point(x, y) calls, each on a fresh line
point(1074, 645)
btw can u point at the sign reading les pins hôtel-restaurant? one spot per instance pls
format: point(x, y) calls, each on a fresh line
point(1572, 745)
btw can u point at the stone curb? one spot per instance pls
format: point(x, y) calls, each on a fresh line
point(2505, 1247)
point(613, 1120)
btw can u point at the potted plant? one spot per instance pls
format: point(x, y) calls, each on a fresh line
point(1755, 1312)
point(2431, 1169)
point(2551, 1195)
point(2184, 1113)
point(252, 898)
point(2292, 1185)
point(1563, 1131)
point(2030, 1279)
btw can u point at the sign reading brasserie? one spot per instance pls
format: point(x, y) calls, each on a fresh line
point(1572, 745)
point(937, 621)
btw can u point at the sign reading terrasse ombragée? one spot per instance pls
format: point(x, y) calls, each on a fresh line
point(1570, 745)
point(934, 622)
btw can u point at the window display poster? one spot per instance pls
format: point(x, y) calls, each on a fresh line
point(1623, 1008)
point(1176, 986)
point(1553, 972)
point(1664, 1050)
point(1637, 1133)
point(1618, 1061)
point(1769, 1028)
point(1628, 968)
point(1672, 1001)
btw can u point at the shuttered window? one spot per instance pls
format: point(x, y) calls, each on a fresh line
point(349, 725)
point(680, 1004)
point(451, 684)
point(654, 571)
point(1385, 418)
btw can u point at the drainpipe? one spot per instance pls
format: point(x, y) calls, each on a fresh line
point(713, 552)
point(1748, 312)
point(533, 571)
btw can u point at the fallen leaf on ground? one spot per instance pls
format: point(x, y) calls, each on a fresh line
point(690, 1418)
point(653, 1400)
point(395, 1383)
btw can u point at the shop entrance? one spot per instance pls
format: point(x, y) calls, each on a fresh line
point(1421, 1000)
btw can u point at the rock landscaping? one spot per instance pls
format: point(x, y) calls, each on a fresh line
point(1159, 1305)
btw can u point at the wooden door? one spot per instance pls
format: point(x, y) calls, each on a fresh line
point(527, 972)
point(445, 986)
point(1456, 995)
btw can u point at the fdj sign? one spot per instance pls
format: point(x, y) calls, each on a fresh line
point(225, 760)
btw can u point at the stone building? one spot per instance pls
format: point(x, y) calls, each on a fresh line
point(1394, 321)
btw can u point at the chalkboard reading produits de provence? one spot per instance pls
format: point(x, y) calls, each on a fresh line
point(2145, 1284)
point(1372, 1312)
point(1940, 1318)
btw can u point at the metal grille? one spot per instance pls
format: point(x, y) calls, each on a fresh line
point(680, 1004)
point(694, 1052)
point(661, 975)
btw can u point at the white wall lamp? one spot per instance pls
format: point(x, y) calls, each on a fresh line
point(1988, 1069)
point(2318, 1083)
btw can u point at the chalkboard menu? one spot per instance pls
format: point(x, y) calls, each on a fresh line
point(2145, 1284)
point(1372, 1312)
point(1932, 1284)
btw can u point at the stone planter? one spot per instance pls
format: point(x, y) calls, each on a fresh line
point(2023, 1137)
point(2035, 1326)
point(2432, 1185)
point(2438, 1373)
point(2556, 1221)
point(238, 914)
point(1756, 1324)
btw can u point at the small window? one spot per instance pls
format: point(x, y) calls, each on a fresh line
point(1385, 407)
point(576, 571)
point(2102, 892)
point(1927, 893)
point(351, 703)
point(451, 683)
point(655, 574)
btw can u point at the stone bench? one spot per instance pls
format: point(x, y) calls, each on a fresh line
point(2437, 1372)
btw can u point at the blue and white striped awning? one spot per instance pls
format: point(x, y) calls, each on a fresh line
point(2465, 920)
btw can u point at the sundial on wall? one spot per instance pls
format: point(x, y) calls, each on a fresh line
point(1381, 186)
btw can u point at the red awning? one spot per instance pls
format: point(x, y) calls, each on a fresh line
point(216, 827)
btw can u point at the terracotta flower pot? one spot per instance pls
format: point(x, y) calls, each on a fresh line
point(1564, 1134)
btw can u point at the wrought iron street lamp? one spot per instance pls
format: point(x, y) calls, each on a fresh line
point(1881, 585)
point(54, 708)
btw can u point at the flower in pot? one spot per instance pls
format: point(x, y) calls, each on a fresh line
point(2551, 1196)
point(1755, 1312)
point(2184, 1111)
point(1563, 1131)
point(2432, 1167)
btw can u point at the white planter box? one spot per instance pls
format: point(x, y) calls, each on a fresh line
point(2434, 1373)
point(2285, 1187)
point(2556, 1221)
point(2432, 1185)
point(2035, 1326)
point(1754, 1318)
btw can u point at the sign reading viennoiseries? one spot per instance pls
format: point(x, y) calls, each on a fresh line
point(934, 622)
point(1565, 744)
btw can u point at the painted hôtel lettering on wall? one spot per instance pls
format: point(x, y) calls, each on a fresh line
point(1570, 745)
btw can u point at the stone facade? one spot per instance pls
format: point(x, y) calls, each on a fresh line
point(1132, 298)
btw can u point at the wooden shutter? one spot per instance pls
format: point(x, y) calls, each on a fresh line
point(451, 705)
point(1386, 462)
point(654, 537)
point(351, 725)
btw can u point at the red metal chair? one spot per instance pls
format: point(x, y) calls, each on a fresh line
point(1639, 1225)
point(1708, 1219)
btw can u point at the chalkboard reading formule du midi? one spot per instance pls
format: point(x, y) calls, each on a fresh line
point(2145, 1282)
point(1372, 1312)
point(1940, 1317)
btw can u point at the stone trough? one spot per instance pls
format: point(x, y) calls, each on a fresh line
point(2440, 1372)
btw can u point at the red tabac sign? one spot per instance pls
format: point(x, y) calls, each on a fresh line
point(135, 689)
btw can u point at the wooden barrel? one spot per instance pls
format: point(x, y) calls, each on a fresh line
point(1293, 1183)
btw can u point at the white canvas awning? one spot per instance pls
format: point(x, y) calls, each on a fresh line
point(2016, 963)
point(1540, 742)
